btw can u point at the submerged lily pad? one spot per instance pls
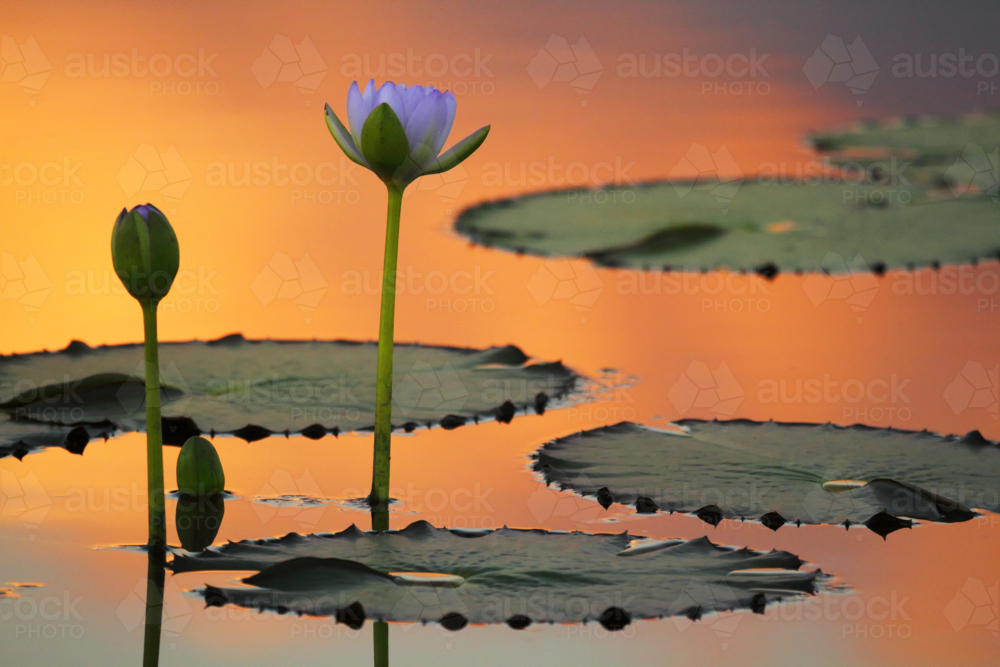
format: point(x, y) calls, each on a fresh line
point(255, 388)
point(503, 576)
point(778, 473)
point(764, 226)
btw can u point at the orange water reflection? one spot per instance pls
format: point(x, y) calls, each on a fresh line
point(918, 337)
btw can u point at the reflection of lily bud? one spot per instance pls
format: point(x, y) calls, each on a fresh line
point(145, 252)
point(199, 470)
point(198, 520)
point(398, 131)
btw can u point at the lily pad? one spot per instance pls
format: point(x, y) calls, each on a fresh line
point(255, 388)
point(923, 141)
point(498, 576)
point(780, 472)
point(763, 225)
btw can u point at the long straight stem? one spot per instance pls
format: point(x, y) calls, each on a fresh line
point(380, 634)
point(379, 497)
point(154, 433)
point(155, 578)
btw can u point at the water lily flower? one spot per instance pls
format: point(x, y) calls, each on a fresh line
point(398, 131)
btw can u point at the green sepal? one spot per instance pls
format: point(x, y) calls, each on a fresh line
point(383, 142)
point(455, 155)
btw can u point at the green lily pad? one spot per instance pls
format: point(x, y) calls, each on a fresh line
point(778, 473)
point(763, 225)
point(509, 576)
point(922, 141)
point(254, 388)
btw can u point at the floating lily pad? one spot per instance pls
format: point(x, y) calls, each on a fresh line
point(762, 225)
point(922, 141)
point(778, 473)
point(255, 388)
point(503, 576)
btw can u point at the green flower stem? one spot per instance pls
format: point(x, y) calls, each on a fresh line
point(155, 578)
point(154, 432)
point(379, 497)
point(380, 634)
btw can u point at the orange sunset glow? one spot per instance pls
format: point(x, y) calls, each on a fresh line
point(214, 114)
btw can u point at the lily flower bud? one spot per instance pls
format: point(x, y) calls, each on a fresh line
point(145, 252)
point(199, 470)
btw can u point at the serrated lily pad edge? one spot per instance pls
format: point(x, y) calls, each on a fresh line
point(353, 615)
point(176, 430)
point(464, 226)
point(711, 514)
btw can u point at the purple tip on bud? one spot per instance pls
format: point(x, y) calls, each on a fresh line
point(143, 210)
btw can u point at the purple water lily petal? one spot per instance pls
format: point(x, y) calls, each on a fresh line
point(357, 111)
point(425, 126)
point(413, 97)
point(390, 94)
point(450, 107)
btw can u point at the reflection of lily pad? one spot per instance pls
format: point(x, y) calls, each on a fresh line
point(254, 388)
point(18, 439)
point(765, 226)
point(512, 576)
point(798, 473)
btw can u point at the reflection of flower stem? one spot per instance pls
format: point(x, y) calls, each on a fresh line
point(381, 634)
point(155, 577)
point(379, 497)
point(154, 432)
